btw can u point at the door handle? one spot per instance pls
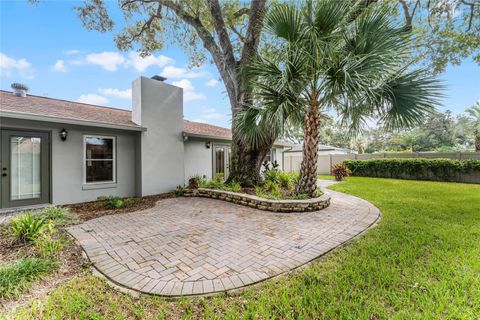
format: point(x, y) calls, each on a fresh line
point(4, 174)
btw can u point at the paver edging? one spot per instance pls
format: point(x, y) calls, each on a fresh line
point(286, 206)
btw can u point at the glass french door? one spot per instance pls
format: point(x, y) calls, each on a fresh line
point(24, 168)
point(221, 160)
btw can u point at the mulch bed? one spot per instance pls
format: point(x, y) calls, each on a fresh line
point(94, 209)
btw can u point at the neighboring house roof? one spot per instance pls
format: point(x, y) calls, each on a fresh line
point(63, 110)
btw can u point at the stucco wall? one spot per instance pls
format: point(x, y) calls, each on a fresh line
point(159, 107)
point(198, 159)
point(67, 185)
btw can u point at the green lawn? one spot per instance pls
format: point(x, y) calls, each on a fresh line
point(422, 261)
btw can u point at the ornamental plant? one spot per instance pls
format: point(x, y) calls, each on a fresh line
point(340, 171)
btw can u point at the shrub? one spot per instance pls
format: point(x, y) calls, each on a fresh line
point(179, 191)
point(272, 189)
point(130, 201)
point(219, 177)
point(259, 192)
point(112, 202)
point(58, 215)
point(272, 175)
point(193, 183)
point(340, 171)
point(28, 227)
point(48, 246)
point(234, 186)
point(286, 181)
point(417, 169)
point(18, 276)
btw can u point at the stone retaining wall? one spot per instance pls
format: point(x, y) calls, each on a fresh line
point(306, 205)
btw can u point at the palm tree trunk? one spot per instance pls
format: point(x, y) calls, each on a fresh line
point(307, 182)
point(477, 142)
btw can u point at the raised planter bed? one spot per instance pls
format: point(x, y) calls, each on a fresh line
point(306, 205)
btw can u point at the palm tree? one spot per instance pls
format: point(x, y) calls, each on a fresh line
point(347, 60)
point(474, 115)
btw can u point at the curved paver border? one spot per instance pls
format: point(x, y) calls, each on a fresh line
point(287, 206)
point(127, 250)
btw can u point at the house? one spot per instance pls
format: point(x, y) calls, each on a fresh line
point(57, 151)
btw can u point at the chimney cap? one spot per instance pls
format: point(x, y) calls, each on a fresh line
point(158, 78)
point(19, 86)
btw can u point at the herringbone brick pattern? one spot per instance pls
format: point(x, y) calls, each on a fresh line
point(187, 246)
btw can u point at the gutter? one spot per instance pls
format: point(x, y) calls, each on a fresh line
point(36, 117)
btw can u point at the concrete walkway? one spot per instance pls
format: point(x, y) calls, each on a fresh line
point(193, 246)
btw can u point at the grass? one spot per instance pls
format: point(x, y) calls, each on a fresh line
point(421, 262)
point(325, 177)
point(17, 277)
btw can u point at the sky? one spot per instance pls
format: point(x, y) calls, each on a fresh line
point(46, 47)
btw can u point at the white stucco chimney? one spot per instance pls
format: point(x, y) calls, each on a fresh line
point(158, 107)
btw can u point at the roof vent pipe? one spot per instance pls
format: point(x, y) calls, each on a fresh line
point(159, 78)
point(19, 89)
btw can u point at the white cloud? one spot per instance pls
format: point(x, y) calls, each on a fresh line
point(72, 52)
point(184, 83)
point(9, 65)
point(141, 64)
point(122, 94)
point(92, 98)
point(108, 60)
point(210, 115)
point(211, 83)
point(59, 66)
point(171, 72)
point(189, 93)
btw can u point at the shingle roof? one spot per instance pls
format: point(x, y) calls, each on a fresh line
point(87, 112)
point(204, 129)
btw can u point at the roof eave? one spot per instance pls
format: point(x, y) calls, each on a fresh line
point(203, 136)
point(37, 117)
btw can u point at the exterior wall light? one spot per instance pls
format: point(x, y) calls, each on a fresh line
point(207, 144)
point(63, 134)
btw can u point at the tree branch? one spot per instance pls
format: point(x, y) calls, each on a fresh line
point(241, 12)
point(221, 30)
point(252, 37)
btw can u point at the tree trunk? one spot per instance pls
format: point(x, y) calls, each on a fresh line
point(307, 183)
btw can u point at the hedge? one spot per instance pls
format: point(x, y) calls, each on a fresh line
point(417, 169)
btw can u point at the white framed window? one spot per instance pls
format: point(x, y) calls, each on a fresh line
point(99, 159)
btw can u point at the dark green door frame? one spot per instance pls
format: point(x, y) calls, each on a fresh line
point(6, 169)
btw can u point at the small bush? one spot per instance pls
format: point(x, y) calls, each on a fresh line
point(179, 191)
point(130, 201)
point(58, 215)
point(48, 246)
point(28, 227)
point(192, 183)
point(272, 189)
point(259, 192)
point(340, 171)
point(416, 169)
point(17, 277)
point(112, 202)
point(234, 186)
point(286, 181)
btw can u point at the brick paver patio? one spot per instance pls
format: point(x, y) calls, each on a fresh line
point(189, 246)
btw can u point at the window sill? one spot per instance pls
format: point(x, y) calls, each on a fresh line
point(94, 186)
